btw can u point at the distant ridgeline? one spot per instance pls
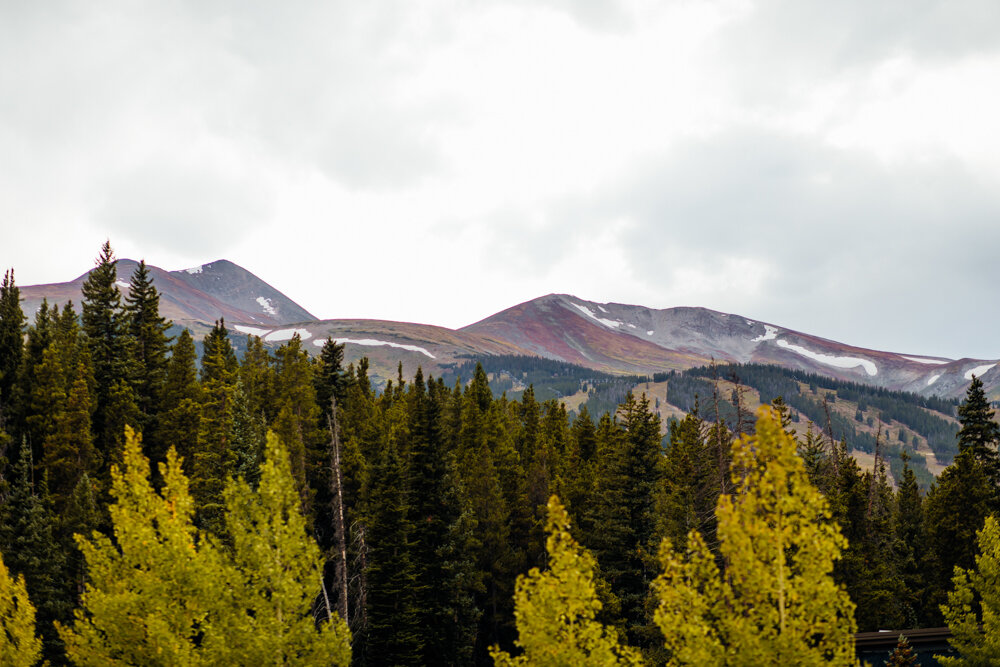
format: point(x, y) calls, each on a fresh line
point(849, 410)
point(906, 418)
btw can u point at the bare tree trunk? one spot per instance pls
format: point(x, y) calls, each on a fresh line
point(339, 525)
point(361, 604)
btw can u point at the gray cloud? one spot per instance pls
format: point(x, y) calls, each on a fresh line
point(177, 207)
point(852, 245)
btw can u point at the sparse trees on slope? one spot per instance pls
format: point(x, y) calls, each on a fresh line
point(556, 609)
point(776, 602)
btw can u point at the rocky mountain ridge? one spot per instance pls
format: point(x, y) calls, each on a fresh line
point(609, 337)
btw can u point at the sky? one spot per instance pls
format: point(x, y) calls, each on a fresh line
point(830, 167)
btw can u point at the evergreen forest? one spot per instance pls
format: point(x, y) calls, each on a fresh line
point(251, 504)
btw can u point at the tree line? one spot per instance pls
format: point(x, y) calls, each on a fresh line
point(425, 501)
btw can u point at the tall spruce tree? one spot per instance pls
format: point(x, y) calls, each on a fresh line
point(955, 509)
point(440, 553)
point(622, 522)
point(980, 433)
point(180, 415)
point(213, 458)
point(395, 635)
point(12, 323)
point(105, 327)
point(147, 331)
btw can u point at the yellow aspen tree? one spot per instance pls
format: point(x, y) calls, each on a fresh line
point(19, 646)
point(775, 600)
point(555, 610)
point(152, 589)
point(976, 636)
point(280, 574)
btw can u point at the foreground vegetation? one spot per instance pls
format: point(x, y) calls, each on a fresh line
point(402, 519)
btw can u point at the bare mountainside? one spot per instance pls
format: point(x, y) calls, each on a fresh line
point(193, 297)
point(609, 337)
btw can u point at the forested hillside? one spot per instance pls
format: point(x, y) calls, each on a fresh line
point(293, 509)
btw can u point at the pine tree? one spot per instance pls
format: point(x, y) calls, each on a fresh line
point(147, 331)
point(972, 611)
point(395, 636)
point(34, 550)
point(979, 434)
point(12, 322)
point(180, 416)
point(213, 458)
point(104, 325)
point(329, 377)
point(623, 521)
point(440, 551)
point(776, 602)
point(69, 449)
point(19, 647)
point(297, 423)
point(955, 509)
point(910, 544)
point(903, 655)
point(556, 609)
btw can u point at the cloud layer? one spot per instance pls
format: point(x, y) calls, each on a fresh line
point(831, 167)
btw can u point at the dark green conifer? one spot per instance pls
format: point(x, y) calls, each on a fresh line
point(12, 322)
point(395, 635)
point(147, 332)
point(180, 414)
point(979, 434)
point(622, 521)
point(29, 543)
point(104, 324)
point(443, 574)
point(955, 508)
point(297, 421)
point(211, 462)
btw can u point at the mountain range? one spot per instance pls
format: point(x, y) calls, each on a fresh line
point(609, 337)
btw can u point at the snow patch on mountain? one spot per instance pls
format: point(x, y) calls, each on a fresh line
point(371, 342)
point(122, 284)
point(195, 269)
point(266, 305)
point(932, 379)
point(614, 324)
point(253, 331)
point(286, 334)
point(603, 309)
point(770, 333)
point(830, 360)
point(924, 360)
point(650, 332)
point(978, 371)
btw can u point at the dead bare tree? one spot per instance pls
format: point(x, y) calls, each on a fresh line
point(339, 524)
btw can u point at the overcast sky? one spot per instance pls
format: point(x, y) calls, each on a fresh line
point(832, 167)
